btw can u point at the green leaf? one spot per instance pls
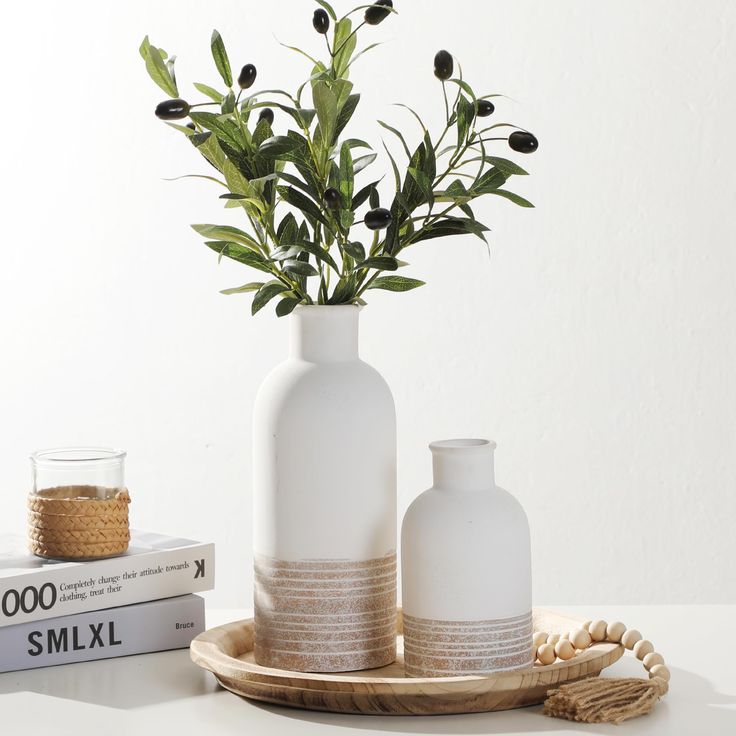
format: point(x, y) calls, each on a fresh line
point(220, 56)
point(464, 86)
point(239, 253)
point(429, 165)
point(344, 45)
point(362, 161)
point(276, 146)
point(398, 135)
point(362, 195)
point(287, 229)
point(346, 174)
point(252, 286)
point(465, 116)
point(489, 182)
point(328, 8)
point(363, 51)
point(156, 68)
point(456, 193)
point(298, 200)
point(225, 129)
point(170, 69)
point(382, 263)
point(424, 184)
point(357, 143)
point(515, 198)
point(264, 295)
point(289, 252)
point(450, 226)
point(414, 113)
point(287, 305)
point(325, 102)
point(355, 250)
point(228, 103)
point(297, 182)
point(300, 267)
point(397, 178)
point(227, 233)
point(344, 291)
point(182, 129)
point(396, 283)
point(207, 145)
point(207, 91)
point(506, 167)
point(346, 112)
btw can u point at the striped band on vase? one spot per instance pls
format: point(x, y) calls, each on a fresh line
point(325, 615)
point(435, 648)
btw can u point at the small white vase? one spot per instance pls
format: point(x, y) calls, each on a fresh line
point(325, 503)
point(466, 570)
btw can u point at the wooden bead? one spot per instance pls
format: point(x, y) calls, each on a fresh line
point(630, 638)
point(661, 671)
point(564, 649)
point(553, 639)
point(598, 630)
point(614, 631)
point(652, 659)
point(642, 648)
point(546, 654)
point(539, 638)
point(580, 639)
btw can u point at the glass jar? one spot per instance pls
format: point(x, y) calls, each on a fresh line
point(78, 504)
point(78, 472)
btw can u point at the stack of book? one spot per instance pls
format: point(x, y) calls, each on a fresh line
point(142, 601)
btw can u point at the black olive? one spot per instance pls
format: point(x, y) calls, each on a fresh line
point(191, 126)
point(443, 65)
point(332, 199)
point(321, 21)
point(247, 76)
point(377, 12)
point(485, 108)
point(172, 109)
point(377, 219)
point(266, 114)
point(523, 142)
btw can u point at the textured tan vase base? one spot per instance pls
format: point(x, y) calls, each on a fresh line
point(436, 648)
point(325, 615)
point(78, 522)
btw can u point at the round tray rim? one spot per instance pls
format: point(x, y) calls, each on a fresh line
point(206, 651)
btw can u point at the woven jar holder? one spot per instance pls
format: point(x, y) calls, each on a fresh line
point(73, 522)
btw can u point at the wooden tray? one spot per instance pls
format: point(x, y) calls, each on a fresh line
point(227, 651)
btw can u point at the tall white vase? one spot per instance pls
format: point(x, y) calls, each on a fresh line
point(325, 503)
point(466, 569)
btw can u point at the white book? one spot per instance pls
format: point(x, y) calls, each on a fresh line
point(155, 566)
point(171, 623)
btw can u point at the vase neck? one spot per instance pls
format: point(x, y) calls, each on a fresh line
point(325, 334)
point(463, 465)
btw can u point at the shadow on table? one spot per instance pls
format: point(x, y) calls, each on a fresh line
point(124, 682)
point(692, 701)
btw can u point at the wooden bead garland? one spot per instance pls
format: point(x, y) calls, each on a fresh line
point(598, 700)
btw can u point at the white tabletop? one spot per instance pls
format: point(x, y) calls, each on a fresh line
point(166, 693)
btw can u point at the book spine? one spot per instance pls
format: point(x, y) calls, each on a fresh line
point(119, 581)
point(114, 632)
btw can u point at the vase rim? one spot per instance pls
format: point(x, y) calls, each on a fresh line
point(466, 443)
point(327, 307)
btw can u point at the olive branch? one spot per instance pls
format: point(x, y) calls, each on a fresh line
point(307, 176)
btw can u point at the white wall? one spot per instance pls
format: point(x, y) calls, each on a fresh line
point(596, 345)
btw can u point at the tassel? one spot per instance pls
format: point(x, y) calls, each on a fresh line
point(604, 699)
